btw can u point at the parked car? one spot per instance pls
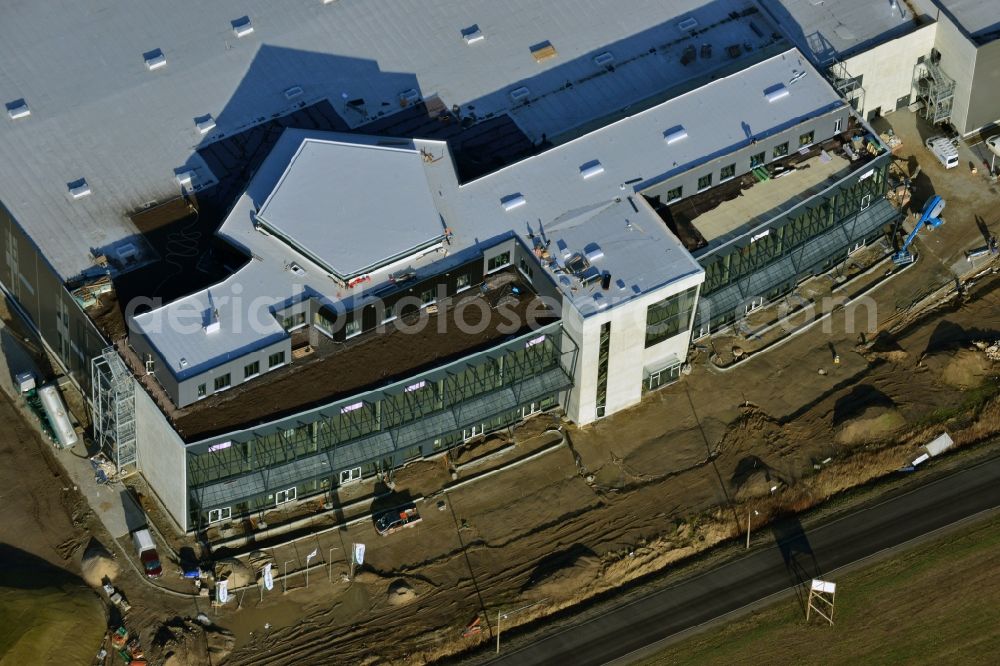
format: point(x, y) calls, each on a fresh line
point(388, 522)
point(145, 547)
point(993, 143)
point(944, 150)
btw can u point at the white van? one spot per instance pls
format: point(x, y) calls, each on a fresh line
point(944, 150)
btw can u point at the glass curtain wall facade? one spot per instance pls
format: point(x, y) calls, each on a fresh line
point(808, 240)
point(374, 432)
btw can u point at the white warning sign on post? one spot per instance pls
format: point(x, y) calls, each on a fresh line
point(359, 553)
point(222, 591)
point(268, 577)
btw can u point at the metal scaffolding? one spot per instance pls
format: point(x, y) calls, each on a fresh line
point(935, 88)
point(113, 399)
point(848, 86)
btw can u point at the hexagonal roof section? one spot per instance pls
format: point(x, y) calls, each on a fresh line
point(353, 208)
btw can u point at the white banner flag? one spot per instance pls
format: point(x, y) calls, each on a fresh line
point(311, 555)
point(222, 591)
point(359, 553)
point(268, 577)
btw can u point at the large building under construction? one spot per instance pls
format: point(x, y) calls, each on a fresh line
point(286, 251)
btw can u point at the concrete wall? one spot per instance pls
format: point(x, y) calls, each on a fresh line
point(958, 60)
point(887, 69)
point(162, 459)
point(628, 356)
point(984, 98)
point(822, 126)
point(37, 288)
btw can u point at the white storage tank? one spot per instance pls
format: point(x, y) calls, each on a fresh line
point(58, 417)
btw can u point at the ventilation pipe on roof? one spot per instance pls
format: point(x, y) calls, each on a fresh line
point(79, 189)
point(473, 35)
point(591, 169)
point(205, 124)
point(155, 59)
point(776, 92)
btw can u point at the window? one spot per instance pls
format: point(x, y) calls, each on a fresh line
point(705, 182)
point(251, 370)
point(462, 282)
point(349, 475)
point(322, 323)
point(727, 172)
point(525, 269)
point(603, 353)
point(662, 377)
point(806, 139)
point(388, 315)
point(674, 194)
point(498, 262)
point(276, 359)
point(202, 390)
point(669, 317)
point(780, 150)
point(283, 496)
point(353, 328)
point(755, 302)
point(838, 126)
point(866, 201)
point(427, 296)
point(222, 383)
point(217, 515)
point(472, 431)
point(756, 160)
point(294, 321)
point(412, 453)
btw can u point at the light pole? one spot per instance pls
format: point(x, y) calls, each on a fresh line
point(750, 514)
point(501, 615)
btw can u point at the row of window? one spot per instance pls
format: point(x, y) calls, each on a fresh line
point(250, 370)
point(354, 326)
point(729, 171)
point(354, 474)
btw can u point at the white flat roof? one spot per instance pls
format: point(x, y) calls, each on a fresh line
point(100, 112)
point(353, 207)
point(601, 214)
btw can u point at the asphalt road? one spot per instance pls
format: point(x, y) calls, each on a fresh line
point(795, 557)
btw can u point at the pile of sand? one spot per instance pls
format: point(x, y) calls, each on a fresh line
point(97, 564)
point(961, 369)
point(235, 572)
point(872, 424)
point(400, 593)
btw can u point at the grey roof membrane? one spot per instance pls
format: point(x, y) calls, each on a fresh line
point(117, 89)
point(562, 200)
point(353, 206)
point(825, 29)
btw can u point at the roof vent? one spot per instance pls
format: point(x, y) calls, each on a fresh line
point(185, 178)
point(512, 201)
point(690, 23)
point(776, 92)
point(473, 35)
point(205, 124)
point(127, 253)
point(604, 59)
point(79, 189)
point(183, 362)
point(18, 109)
point(293, 92)
point(543, 51)
point(591, 169)
point(154, 59)
point(242, 26)
point(675, 134)
point(517, 94)
point(410, 96)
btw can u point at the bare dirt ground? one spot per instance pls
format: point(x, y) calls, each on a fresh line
point(635, 492)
